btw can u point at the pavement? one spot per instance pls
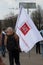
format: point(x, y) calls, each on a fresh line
point(30, 58)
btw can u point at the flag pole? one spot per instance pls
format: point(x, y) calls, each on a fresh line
point(20, 9)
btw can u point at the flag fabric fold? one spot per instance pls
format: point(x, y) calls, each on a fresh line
point(27, 32)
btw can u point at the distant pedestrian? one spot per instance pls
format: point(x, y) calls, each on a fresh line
point(1, 61)
point(41, 43)
point(0, 42)
point(11, 40)
point(3, 46)
point(38, 48)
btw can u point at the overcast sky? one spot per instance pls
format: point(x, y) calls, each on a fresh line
point(7, 5)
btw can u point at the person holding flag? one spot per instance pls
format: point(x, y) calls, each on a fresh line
point(12, 44)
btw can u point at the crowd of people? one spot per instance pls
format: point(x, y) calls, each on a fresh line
point(9, 40)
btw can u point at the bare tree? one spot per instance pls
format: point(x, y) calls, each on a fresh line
point(37, 17)
point(10, 21)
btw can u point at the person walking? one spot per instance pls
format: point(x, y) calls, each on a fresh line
point(0, 42)
point(3, 46)
point(0, 45)
point(38, 48)
point(11, 40)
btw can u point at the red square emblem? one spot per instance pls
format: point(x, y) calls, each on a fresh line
point(25, 28)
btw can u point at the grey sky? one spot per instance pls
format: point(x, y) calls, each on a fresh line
point(5, 6)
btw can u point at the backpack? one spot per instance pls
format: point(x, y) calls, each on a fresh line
point(12, 43)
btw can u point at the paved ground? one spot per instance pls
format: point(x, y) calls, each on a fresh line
point(30, 58)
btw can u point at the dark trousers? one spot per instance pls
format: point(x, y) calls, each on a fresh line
point(14, 55)
point(38, 48)
point(3, 50)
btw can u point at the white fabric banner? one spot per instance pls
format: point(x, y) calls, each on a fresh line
point(27, 32)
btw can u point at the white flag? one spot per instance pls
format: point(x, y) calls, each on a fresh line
point(27, 32)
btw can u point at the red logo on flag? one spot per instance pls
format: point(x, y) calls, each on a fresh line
point(25, 28)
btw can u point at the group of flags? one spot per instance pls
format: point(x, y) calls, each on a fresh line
point(27, 32)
